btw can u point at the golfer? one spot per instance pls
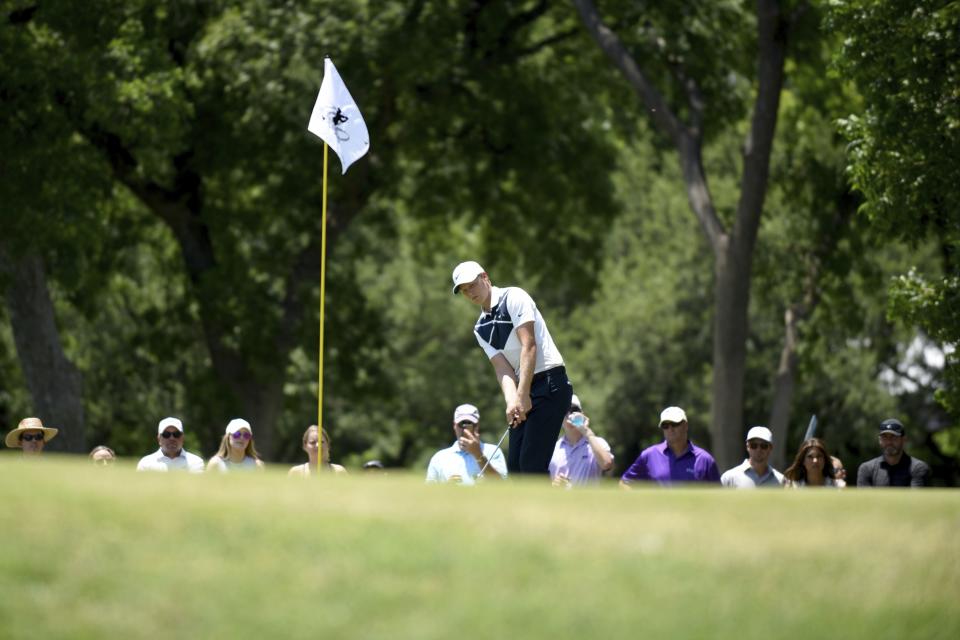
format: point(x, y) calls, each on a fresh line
point(528, 365)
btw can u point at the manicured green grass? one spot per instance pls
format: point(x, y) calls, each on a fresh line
point(93, 553)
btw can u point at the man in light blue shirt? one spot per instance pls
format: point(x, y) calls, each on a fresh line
point(462, 462)
point(755, 471)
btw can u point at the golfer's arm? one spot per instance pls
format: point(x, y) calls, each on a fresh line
point(505, 377)
point(528, 357)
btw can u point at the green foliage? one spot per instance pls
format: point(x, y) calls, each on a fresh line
point(904, 58)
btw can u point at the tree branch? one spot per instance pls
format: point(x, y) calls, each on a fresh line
point(687, 141)
point(771, 55)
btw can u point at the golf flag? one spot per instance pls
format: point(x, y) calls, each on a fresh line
point(337, 120)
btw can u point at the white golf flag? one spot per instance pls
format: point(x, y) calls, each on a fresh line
point(337, 120)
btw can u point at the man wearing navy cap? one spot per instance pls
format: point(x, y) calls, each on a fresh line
point(894, 468)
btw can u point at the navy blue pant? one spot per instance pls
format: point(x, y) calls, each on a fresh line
point(532, 443)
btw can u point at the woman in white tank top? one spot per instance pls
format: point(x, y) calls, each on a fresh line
point(237, 451)
point(310, 446)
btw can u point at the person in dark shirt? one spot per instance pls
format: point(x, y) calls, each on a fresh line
point(894, 468)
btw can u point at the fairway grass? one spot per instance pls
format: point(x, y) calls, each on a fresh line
point(109, 553)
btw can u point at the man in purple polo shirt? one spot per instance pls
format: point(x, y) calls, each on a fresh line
point(676, 459)
point(580, 456)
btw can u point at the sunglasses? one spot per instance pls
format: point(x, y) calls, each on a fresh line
point(241, 435)
point(30, 437)
point(171, 434)
point(466, 424)
point(760, 445)
point(667, 425)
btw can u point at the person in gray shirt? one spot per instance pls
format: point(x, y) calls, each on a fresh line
point(894, 468)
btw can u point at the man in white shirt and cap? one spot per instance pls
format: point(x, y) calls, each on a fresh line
point(529, 368)
point(171, 456)
point(755, 471)
point(463, 462)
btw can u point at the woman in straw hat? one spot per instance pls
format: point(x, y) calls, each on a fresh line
point(30, 435)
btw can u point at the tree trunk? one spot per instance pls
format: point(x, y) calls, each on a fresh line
point(731, 299)
point(55, 384)
point(783, 387)
point(733, 250)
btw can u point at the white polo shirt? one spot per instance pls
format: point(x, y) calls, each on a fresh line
point(496, 331)
point(744, 477)
point(455, 462)
point(156, 461)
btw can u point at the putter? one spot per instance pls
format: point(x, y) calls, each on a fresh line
point(495, 451)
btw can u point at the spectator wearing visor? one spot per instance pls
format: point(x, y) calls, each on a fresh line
point(580, 456)
point(237, 451)
point(171, 456)
point(895, 468)
point(30, 436)
point(465, 459)
point(676, 460)
point(755, 471)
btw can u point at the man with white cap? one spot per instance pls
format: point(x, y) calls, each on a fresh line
point(580, 456)
point(755, 471)
point(895, 468)
point(463, 462)
point(676, 459)
point(528, 365)
point(171, 456)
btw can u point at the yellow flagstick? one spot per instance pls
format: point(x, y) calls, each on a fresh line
point(323, 280)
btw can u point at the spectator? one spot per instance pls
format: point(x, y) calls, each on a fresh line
point(529, 368)
point(839, 473)
point(102, 456)
point(463, 461)
point(810, 467)
point(755, 471)
point(171, 456)
point(676, 459)
point(30, 436)
point(894, 468)
point(237, 451)
point(580, 456)
point(310, 445)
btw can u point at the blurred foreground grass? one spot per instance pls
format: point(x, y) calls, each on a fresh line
point(91, 553)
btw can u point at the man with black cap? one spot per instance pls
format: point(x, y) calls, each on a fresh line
point(529, 367)
point(894, 468)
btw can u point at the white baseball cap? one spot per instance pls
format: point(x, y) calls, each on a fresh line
point(169, 422)
point(236, 424)
point(760, 433)
point(672, 414)
point(466, 412)
point(465, 273)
